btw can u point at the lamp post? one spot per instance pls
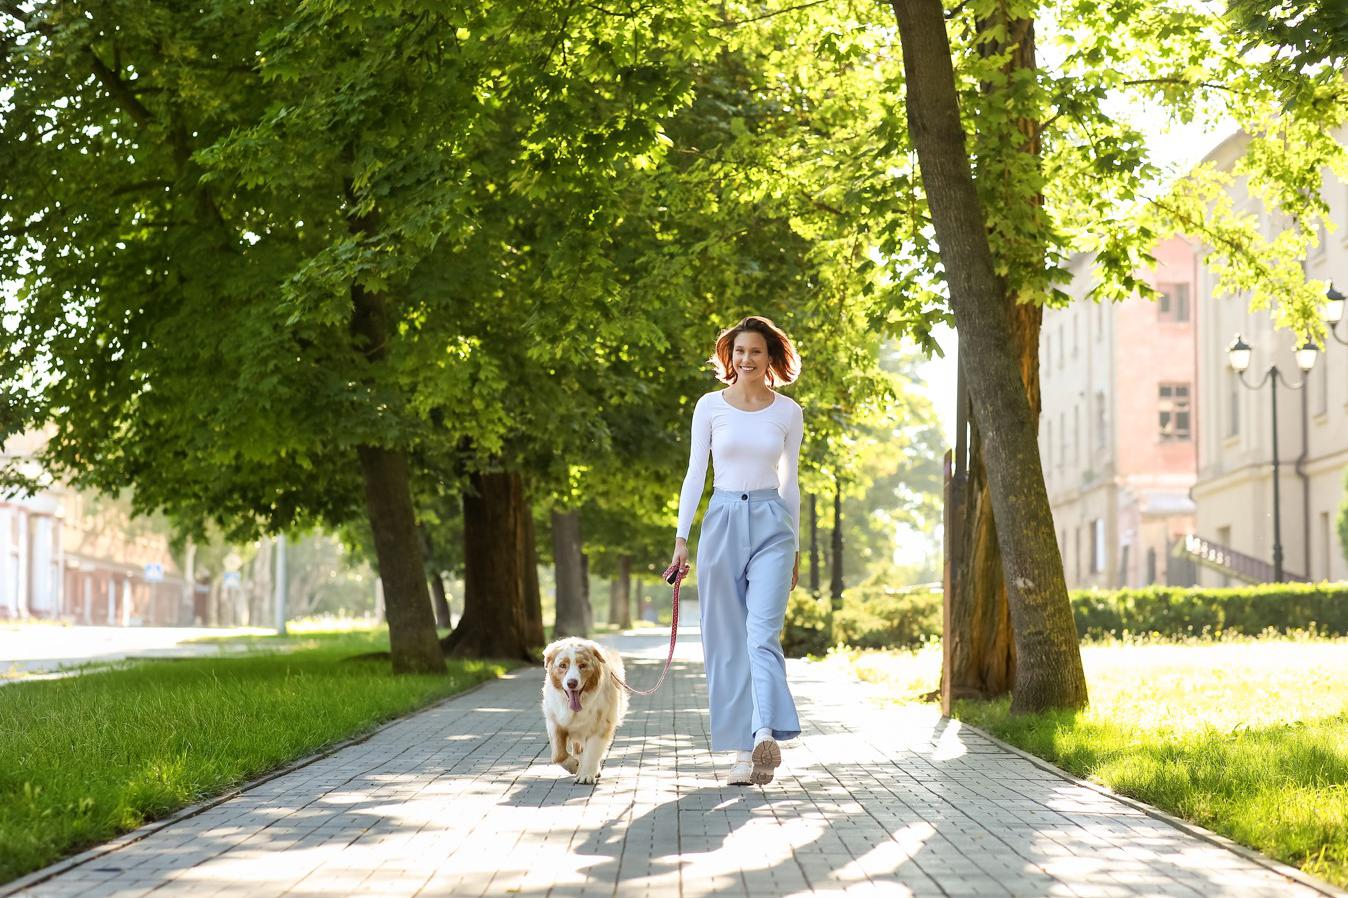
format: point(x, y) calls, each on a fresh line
point(1238, 355)
point(1334, 313)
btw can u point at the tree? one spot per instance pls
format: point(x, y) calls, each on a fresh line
point(228, 292)
point(1041, 615)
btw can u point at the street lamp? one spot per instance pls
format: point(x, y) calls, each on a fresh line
point(1238, 354)
point(1334, 313)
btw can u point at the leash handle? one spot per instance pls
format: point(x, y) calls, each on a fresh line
point(673, 574)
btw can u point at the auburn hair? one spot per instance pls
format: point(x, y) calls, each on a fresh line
point(783, 360)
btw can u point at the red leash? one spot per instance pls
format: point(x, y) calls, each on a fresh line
point(676, 573)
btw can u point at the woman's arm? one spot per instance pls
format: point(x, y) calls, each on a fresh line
point(788, 467)
point(690, 496)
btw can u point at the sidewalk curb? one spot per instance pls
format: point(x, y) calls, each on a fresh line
point(1193, 829)
point(17, 887)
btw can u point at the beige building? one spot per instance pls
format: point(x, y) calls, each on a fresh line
point(1234, 492)
point(1116, 429)
point(68, 556)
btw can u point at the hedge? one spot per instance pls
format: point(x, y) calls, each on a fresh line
point(1246, 610)
point(874, 616)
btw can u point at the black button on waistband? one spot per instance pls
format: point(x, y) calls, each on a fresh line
point(744, 495)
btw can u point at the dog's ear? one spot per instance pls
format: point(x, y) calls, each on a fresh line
point(548, 654)
point(597, 657)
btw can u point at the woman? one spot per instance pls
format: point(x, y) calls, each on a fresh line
point(748, 552)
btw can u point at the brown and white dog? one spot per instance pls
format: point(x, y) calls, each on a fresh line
point(582, 705)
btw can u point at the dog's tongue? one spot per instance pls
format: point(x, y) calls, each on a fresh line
point(574, 698)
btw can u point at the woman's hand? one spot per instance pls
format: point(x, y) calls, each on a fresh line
point(680, 556)
point(795, 571)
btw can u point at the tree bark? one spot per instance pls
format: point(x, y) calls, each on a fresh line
point(814, 548)
point(620, 594)
point(1048, 672)
point(572, 619)
point(439, 601)
point(534, 635)
point(837, 567)
point(495, 537)
point(983, 659)
point(407, 602)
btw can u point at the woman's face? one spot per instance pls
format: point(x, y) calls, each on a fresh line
point(750, 357)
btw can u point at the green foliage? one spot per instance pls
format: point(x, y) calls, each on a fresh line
point(874, 616)
point(808, 626)
point(1178, 612)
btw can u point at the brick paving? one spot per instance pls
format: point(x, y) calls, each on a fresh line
point(460, 800)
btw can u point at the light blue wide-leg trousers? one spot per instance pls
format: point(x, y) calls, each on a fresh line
point(745, 553)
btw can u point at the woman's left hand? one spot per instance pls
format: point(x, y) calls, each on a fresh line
point(795, 572)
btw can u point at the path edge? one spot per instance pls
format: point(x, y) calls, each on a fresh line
point(1193, 829)
point(16, 887)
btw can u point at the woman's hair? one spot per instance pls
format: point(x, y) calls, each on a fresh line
point(783, 360)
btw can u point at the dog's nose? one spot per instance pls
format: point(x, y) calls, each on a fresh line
point(571, 684)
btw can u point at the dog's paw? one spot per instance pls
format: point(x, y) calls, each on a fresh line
point(571, 765)
point(587, 779)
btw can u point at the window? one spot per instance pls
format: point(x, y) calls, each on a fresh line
point(1101, 432)
point(1076, 343)
point(1076, 550)
point(1173, 410)
point(1319, 386)
point(1097, 545)
point(1174, 302)
point(1232, 406)
point(1061, 341)
point(1076, 435)
point(1062, 439)
point(1048, 445)
point(1326, 543)
point(1048, 352)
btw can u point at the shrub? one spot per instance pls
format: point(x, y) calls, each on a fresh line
point(875, 616)
point(808, 629)
point(1246, 610)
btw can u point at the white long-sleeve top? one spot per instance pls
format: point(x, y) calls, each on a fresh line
point(749, 450)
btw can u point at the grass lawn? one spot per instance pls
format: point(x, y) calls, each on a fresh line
point(1247, 738)
point(85, 758)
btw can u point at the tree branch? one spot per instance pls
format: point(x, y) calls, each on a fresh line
point(735, 23)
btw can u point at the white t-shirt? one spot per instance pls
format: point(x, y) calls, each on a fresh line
point(750, 451)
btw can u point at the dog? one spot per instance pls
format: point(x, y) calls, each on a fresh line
point(582, 705)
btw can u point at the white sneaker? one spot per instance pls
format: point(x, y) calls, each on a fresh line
point(741, 773)
point(766, 757)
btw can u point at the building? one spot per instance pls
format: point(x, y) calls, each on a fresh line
point(1234, 490)
point(1116, 430)
point(65, 555)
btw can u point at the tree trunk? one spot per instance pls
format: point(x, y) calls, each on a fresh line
point(837, 570)
point(388, 497)
point(571, 618)
point(440, 601)
point(620, 594)
point(1048, 670)
point(495, 536)
point(586, 606)
point(982, 660)
point(814, 548)
point(534, 635)
point(407, 602)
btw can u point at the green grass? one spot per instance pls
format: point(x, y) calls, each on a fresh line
point(85, 758)
point(1246, 738)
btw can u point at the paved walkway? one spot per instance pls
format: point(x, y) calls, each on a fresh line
point(460, 800)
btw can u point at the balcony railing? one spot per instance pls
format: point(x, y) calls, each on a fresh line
point(1226, 560)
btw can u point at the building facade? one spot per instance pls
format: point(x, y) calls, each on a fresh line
point(1117, 425)
point(69, 556)
point(1234, 490)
